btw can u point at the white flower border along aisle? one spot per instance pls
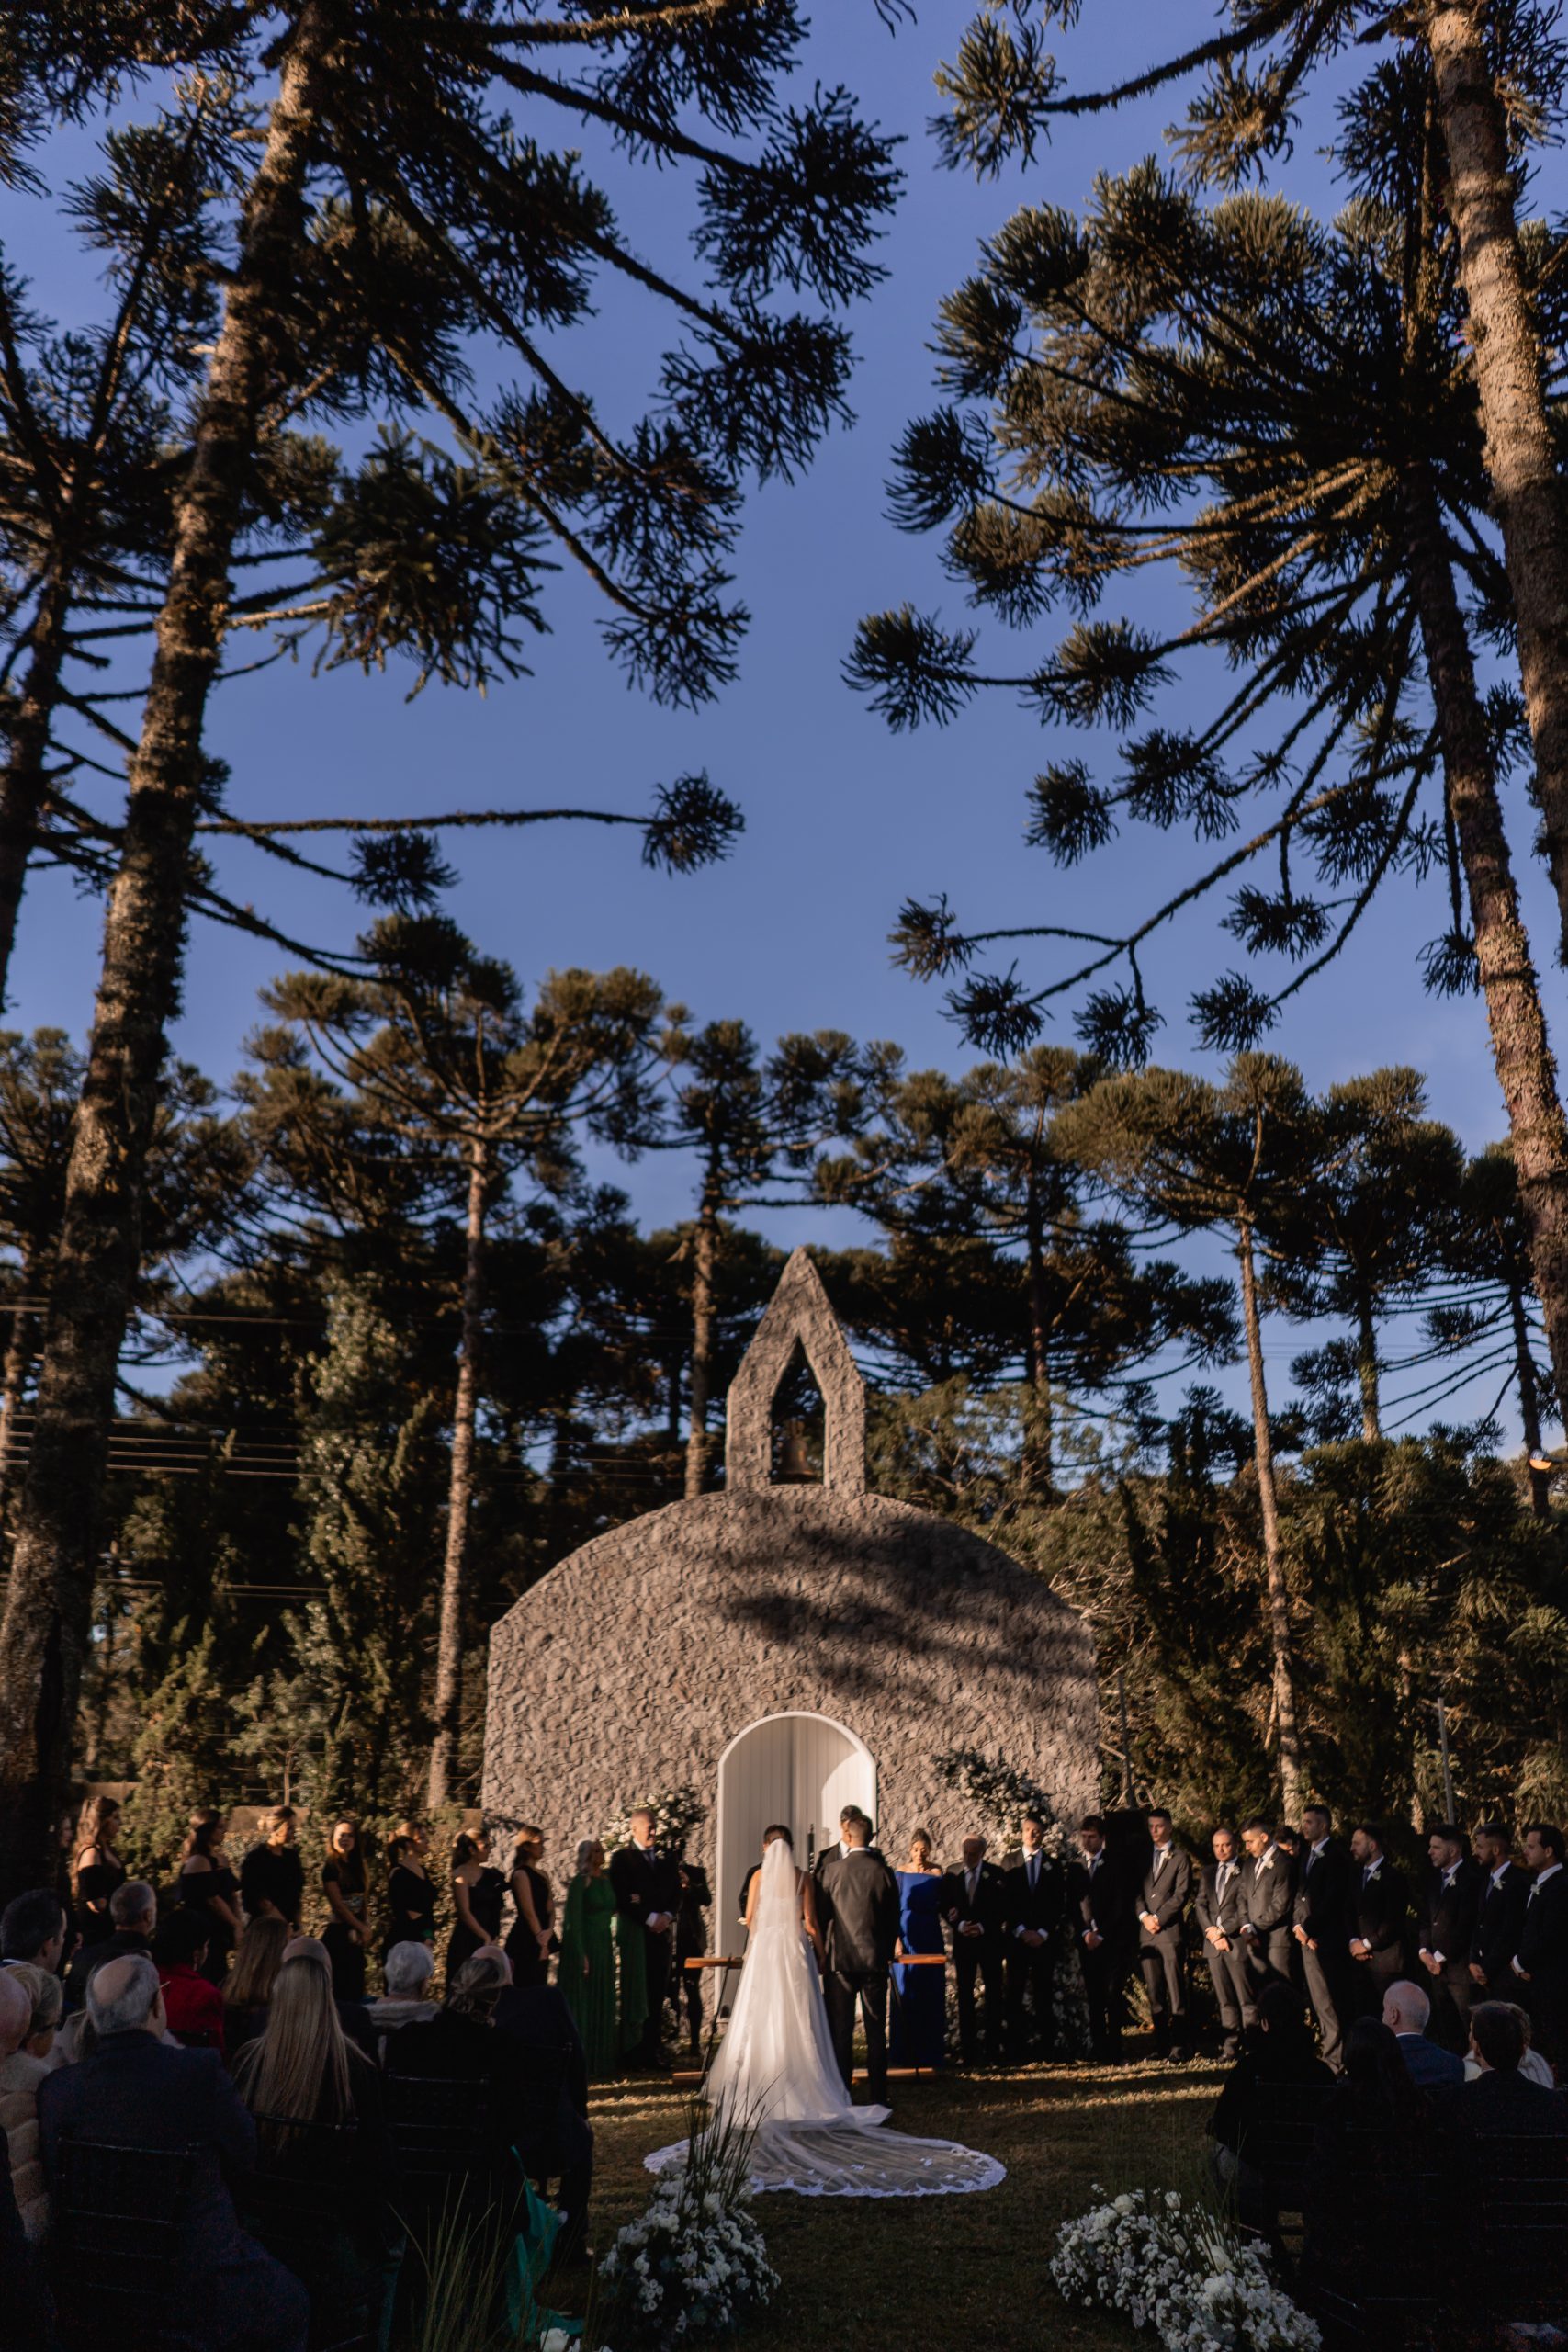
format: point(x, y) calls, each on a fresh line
point(1181, 2271)
point(695, 2266)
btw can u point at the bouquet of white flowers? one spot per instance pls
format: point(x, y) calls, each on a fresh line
point(695, 2262)
point(1181, 2271)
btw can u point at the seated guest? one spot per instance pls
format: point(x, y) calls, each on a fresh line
point(353, 2016)
point(32, 1930)
point(1277, 2053)
point(303, 2071)
point(248, 1988)
point(459, 2044)
point(137, 2090)
point(555, 2138)
point(29, 2312)
point(1370, 2172)
point(408, 1971)
point(192, 2003)
point(1501, 2098)
point(1406, 2012)
point(133, 1912)
point(1532, 2065)
point(20, 2075)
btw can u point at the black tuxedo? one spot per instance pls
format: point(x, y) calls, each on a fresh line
point(857, 1900)
point(647, 1882)
point(1031, 1968)
point(1101, 1898)
point(1323, 1915)
point(1495, 1936)
point(1449, 1912)
point(1268, 1914)
point(1543, 1956)
point(976, 1955)
point(1164, 1894)
point(1380, 1916)
point(1220, 1908)
point(691, 1943)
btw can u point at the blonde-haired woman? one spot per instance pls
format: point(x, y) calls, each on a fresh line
point(304, 2074)
point(97, 1871)
point(247, 1989)
point(586, 1979)
point(20, 2075)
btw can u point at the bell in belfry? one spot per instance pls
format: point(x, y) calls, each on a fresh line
point(795, 1468)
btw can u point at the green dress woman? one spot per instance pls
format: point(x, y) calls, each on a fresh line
point(586, 1975)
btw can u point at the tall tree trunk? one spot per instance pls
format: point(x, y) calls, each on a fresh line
point(1522, 1050)
point(1367, 1370)
point(1039, 1450)
point(1530, 1405)
point(21, 1350)
point(49, 1605)
point(705, 1251)
point(460, 1494)
point(1292, 1783)
point(1521, 460)
point(24, 780)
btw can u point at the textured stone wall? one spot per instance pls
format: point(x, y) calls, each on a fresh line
point(633, 1664)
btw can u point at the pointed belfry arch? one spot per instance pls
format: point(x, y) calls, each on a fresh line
point(797, 1314)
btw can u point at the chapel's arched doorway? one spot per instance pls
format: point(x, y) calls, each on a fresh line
point(795, 1768)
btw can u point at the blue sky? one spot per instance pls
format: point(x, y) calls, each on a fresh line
point(844, 819)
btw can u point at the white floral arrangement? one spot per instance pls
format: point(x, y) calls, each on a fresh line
point(694, 2264)
point(676, 1813)
point(1181, 2271)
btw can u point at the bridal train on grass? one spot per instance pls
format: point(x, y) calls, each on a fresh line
point(775, 2071)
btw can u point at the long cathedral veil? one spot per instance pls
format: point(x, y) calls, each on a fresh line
point(775, 2070)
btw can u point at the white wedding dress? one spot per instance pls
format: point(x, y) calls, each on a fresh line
point(775, 2069)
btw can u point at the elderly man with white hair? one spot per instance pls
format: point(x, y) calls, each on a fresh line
point(408, 1970)
point(1406, 2011)
point(137, 2090)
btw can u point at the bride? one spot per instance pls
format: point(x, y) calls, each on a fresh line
point(775, 2068)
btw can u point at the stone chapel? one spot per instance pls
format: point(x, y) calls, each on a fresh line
point(785, 1648)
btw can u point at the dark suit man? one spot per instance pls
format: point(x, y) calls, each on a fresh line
point(1322, 1929)
point(692, 1943)
point(1267, 1904)
point(1380, 1916)
point(136, 2090)
point(1541, 1963)
point(647, 1885)
point(1495, 1939)
point(1218, 1913)
point(973, 1903)
point(851, 1813)
point(1099, 1911)
point(1036, 1901)
point(1450, 1901)
point(857, 1898)
point(1162, 1928)
point(1406, 2012)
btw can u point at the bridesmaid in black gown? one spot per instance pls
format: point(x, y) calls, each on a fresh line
point(97, 1870)
point(410, 1898)
point(208, 1885)
point(477, 1893)
point(532, 1937)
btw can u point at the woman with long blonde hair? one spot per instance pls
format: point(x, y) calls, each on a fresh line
point(248, 1988)
point(97, 1871)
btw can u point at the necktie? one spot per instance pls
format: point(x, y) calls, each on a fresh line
point(972, 1881)
point(1033, 1871)
point(1224, 1874)
point(1159, 1859)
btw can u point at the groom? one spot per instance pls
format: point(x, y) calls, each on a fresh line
point(857, 1895)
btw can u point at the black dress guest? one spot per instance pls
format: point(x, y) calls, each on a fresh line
point(410, 1898)
point(1218, 1913)
point(271, 1876)
point(208, 1886)
point(347, 1931)
point(532, 1938)
point(1162, 1935)
point(1034, 1901)
point(97, 1871)
point(974, 1904)
point(1379, 1920)
point(478, 1893)
point(1450, 1904)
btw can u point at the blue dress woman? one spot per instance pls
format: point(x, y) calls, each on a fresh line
point(919, 2032)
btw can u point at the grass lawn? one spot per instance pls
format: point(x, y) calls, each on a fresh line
point(944, 2271)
